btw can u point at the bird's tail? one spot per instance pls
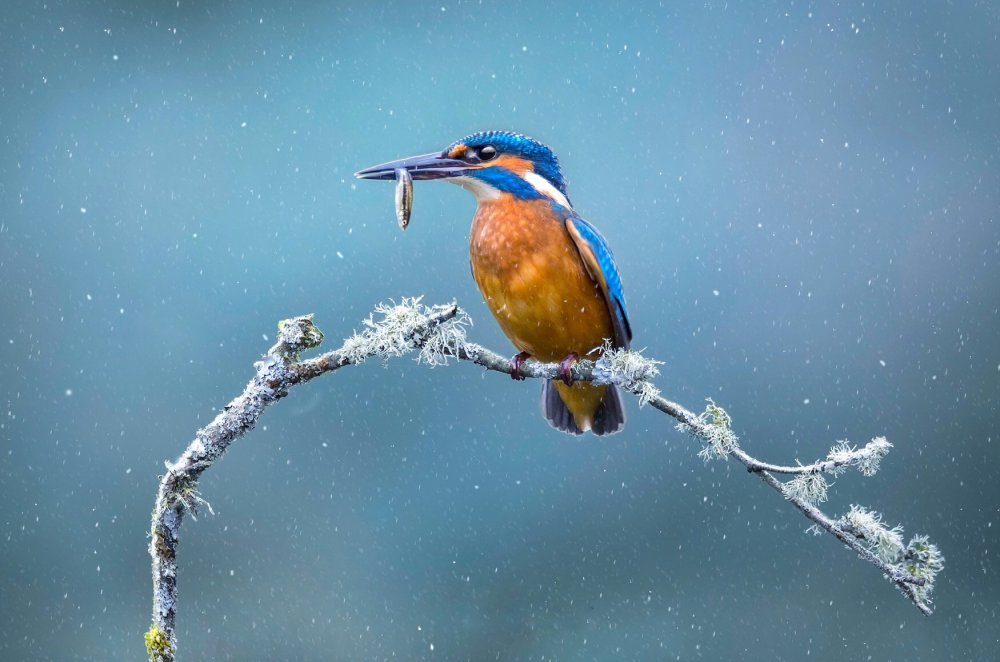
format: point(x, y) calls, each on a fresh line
point(575, 409)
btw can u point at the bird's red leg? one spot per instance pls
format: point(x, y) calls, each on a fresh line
point(566, 367)
point(515, 366)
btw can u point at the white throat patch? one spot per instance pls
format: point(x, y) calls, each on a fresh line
point(543, 186)
point(477, 187)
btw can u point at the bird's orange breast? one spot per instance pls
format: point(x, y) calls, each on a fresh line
point(534, 280)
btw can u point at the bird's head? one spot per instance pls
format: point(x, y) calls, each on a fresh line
point(489, 164)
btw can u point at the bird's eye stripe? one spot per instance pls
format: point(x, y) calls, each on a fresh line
point(457, 151)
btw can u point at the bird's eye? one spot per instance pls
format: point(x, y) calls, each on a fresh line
point(487, 152)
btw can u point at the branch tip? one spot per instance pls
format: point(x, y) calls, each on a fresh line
point(923, 560)
point(297, 334)
point(866, 459)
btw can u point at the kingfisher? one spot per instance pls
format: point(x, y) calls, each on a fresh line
point(546, 274)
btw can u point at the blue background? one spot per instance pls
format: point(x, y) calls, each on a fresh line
point(803, 202)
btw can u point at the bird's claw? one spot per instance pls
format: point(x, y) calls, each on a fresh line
point(515, 366)
point(566, 368)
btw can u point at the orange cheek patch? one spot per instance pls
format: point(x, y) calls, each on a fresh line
point(512, 163)
point(457, 152)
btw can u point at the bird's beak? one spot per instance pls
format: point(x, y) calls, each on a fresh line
point(425, 166)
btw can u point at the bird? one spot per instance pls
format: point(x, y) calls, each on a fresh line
point(547, 275)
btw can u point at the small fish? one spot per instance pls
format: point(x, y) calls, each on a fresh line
point(404, 197)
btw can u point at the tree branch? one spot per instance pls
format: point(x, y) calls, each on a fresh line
point(438, 334)
point(402, 329)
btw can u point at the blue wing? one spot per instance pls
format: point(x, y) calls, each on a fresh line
point(601, 266)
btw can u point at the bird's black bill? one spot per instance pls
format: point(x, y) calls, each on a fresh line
point(425, 166)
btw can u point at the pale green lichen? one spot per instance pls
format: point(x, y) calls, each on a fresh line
point(875, 450)
point(885, 542)
point(810, 487)
point(186, 493)
point(920, 558)
point(355, 348)
point(714, 427)
point(445, 341)
point(402, 328)
point(628, 365)
point(158, 646)
point(866, 459)
point(841, 453)
point(629, 369)
point(923, 559)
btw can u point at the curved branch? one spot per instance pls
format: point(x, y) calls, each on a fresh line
point(438, 334)
point(279, 370)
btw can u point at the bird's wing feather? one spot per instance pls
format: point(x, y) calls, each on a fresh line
point(601, 266)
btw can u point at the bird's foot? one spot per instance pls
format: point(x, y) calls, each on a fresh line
point(515, 366)
point(566, 368)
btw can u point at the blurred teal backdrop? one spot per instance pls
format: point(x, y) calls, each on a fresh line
point(803, 200)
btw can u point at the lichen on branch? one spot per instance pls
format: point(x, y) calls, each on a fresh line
point(437, 334)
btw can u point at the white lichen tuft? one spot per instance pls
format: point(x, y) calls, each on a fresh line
point(842, 453)
point(923, 559)
point(193, 501)
point(920, 558)
point(647, 392)
point(629, 369)
point(445, 341)
point(810, 487)
point(356, 348)
point(873, 452)
point(714, 427)
point(393, 334)
point(886, 543)
point(626, 367)
point(403, 327)
point(865, 459)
